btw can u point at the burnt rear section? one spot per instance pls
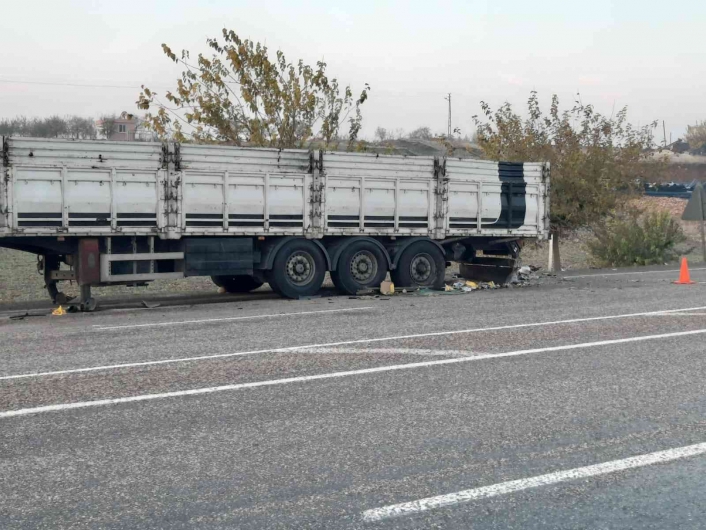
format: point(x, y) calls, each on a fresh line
point(513, 195)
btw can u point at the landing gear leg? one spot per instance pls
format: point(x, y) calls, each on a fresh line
point(87, 303)
point(48, 264)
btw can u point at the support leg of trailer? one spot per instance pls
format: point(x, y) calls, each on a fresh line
point(87, 302)
point(50, 264)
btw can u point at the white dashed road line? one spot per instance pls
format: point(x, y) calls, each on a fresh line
point(503, 488)
point(334, 375)
point(99, 327)
point(340, 343)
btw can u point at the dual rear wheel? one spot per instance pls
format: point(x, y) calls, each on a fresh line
point(299, 268)
point(363, 265)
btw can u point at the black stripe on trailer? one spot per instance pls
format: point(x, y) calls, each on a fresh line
point(513, 202)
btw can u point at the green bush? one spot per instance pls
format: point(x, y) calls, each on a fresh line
point(636, 240)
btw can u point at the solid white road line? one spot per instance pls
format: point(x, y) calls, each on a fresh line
point(340, 343)
point(99, 327)
point(334, 375)
point(451, 499)
point(395, 351)
point(628, 273)
point(683, 314)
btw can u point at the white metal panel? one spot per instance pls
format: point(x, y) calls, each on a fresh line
point(378, 205)
point(137, 198)
point(87, 191)
point(37, 190)
point(84, 153)
point(243, 159)
point(95, 187)
point(252, 202)
point(55, 199)
point(373, 165)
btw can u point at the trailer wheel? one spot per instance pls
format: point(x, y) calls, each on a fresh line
point(362, 265)
point(298, 269)
point(237, 284)
point(420, 265)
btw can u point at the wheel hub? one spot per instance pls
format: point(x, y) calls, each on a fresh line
point(363, 266)
point(421, 268)
point(300, 268)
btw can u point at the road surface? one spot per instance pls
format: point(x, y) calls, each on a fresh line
point(578, 403)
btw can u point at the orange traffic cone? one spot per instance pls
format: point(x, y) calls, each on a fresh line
point(684, 277)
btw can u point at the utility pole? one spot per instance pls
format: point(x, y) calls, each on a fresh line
point(449, 100)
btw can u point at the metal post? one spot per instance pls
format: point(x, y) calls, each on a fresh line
point(701, 227)
point(449, 133)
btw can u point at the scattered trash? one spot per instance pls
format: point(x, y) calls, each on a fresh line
point(59, 311)
point(150, 305)
point(387, 288)
point(222, 290)
point(467, 286)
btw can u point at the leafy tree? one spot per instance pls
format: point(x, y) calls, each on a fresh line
point(108, 125)
point(422, 133)
point(696, 136)
point(52, 127)
point(18, 126)
point(81, 128)
point(594, 159)
point(240, 95)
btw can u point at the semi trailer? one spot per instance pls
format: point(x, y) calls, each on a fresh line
point(133, 212)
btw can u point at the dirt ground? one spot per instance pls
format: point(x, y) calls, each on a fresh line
point(19, 280)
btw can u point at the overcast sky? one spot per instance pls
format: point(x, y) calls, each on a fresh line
point(645, 54)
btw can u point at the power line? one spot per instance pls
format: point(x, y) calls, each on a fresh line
point(48, 83)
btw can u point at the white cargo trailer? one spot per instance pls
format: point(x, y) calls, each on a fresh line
point(132, 212)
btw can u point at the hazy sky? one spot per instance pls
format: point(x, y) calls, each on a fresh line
point(645, 54)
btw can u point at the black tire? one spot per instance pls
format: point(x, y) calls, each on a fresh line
point(298, 269)
point(237, 284)
point(421, 264)
point(361, 265)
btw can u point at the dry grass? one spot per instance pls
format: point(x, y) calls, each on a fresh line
point(574, 254)
point(20, 281)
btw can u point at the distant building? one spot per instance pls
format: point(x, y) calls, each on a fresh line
point(125, 128)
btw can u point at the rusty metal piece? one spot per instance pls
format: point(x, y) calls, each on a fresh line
point(488, 269)
point(88, 272)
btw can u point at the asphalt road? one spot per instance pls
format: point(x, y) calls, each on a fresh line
point(577, 403)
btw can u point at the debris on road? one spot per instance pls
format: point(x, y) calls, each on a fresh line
point(387, 288)
point(59, 311)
